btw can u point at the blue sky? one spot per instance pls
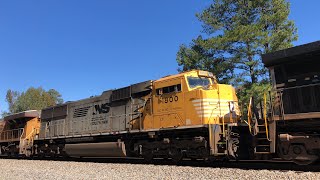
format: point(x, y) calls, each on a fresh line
point(82, 48)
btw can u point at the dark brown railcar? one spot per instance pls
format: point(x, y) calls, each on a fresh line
point(295, 74)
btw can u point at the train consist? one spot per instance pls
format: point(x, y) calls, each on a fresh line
point(188, 115)
point(183, 115)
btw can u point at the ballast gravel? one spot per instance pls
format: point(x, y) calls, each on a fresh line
point(36, 169)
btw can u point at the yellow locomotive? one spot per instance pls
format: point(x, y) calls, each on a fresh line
point(17, 133)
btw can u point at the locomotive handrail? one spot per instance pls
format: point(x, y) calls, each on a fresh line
point(13, 134)
point(271, 105)
point(265, 115)
point(21, 135)
point(29, 135)
point(249, 115)
point(281, 106)
point(230, 112)
point(223, 127)
point(294, 87)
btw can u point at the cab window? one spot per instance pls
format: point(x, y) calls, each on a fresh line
point(169, 89)
point(198, 82)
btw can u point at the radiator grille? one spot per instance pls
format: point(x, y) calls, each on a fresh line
point(80, 112)
point(120, 94)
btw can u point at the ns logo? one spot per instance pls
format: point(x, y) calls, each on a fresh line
point(101, 108)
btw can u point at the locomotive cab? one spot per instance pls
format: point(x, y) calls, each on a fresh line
point(194, 103)
point(192, 98)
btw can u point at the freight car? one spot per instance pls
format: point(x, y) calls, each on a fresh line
point(184, 115)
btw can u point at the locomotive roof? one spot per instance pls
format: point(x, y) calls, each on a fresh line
point(302, 52)
point(193, 72)
point(170, 76)
point(24, 114)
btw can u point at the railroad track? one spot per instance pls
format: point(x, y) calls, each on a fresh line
point(245, 165)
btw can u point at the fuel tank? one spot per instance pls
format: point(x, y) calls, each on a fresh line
point(103, 149)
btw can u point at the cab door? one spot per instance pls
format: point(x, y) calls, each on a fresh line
point(168, 104)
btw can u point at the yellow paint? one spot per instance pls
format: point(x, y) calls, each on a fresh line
point(32, 127)
point(190, 106)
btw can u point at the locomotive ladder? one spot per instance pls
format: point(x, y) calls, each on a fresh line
point(222, 134)
point(26, 142)
point(261, 130)
point(262, 139)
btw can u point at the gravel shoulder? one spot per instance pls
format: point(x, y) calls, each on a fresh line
point(36, 169)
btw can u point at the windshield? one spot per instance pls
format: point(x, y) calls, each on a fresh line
point(198, 81)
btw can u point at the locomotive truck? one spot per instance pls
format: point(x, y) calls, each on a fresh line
point(187, 115)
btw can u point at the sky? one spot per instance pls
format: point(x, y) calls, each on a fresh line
point(82, 48)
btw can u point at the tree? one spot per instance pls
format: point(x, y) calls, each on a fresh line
point(11, 98)
point(32, 99)
point(4, 114)
point(56, 96)
point(235, 34)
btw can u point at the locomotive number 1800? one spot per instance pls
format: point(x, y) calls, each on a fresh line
point(171, 99)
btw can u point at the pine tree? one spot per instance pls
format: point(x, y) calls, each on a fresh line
point(235, 34)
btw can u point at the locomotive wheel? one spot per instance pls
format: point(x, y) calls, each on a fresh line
point(303, 162)
point(176, 155)
point(297, 153)
point(147, 155)
point(305, 158)
point(41, 155)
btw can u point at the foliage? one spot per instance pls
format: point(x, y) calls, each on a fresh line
point(55, 95)
point(11, 98)
point(32, 99)
point(4, 114)
point(235, 34)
